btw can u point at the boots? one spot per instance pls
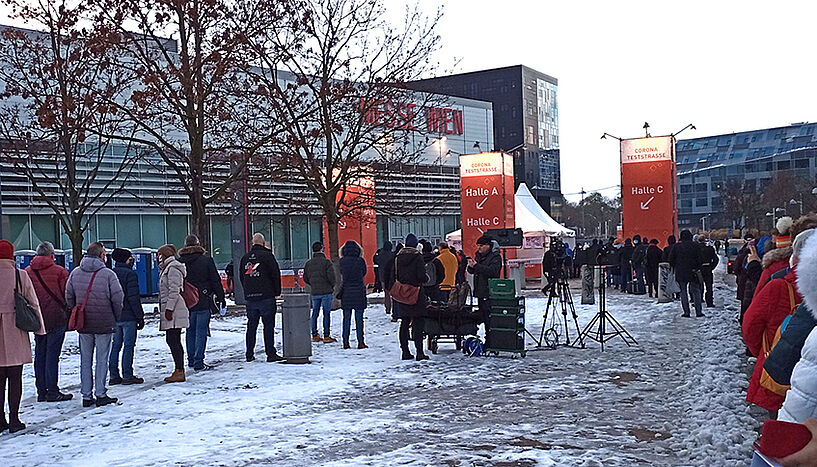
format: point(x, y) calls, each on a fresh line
point(176, 377)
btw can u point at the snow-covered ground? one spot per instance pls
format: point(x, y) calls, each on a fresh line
point(675, 399)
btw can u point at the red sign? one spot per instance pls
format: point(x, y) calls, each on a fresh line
point(361, 224)
point(390, 114)
point(487, 195)
point(648, 196)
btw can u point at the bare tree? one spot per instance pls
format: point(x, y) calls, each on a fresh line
point(50, 115)
point(191, 101)
point(341, 100)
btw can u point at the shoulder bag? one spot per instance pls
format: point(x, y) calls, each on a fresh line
point(26, 317)
point(77, 320)
point(60, 301)
point(406, 294)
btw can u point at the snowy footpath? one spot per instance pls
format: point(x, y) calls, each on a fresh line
point(675, 399)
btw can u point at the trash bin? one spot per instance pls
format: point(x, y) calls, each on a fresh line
point(23, 258)
point(516, 272)
point(297, 334)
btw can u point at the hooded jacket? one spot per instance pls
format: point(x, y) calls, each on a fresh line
point(105, 299)
point(171, 280)
point(54, 278)
point(773, 261)
point(760, 321)
point(801, 399)
point(352, 271)
point(202, 272)
point(129, 280)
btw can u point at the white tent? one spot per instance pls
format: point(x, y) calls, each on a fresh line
point(530, 217)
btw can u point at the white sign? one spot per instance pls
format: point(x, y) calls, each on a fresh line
point(486, 163)
point(651, 149)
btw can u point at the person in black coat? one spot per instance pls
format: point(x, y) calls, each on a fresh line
point(685, 258)
point(638, 260)
point(387, 275)
point(261, 280)
point(431, 262)
point(382, 261)
point(410, 269)
point(131, 320)
point(653, 259)
point(486, 264)
point(709, 261)
point(202, 273)
point(353, 291)
point(624, 257)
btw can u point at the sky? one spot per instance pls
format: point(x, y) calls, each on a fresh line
point(725, 66)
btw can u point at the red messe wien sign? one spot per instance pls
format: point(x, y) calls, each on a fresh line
point(648, 196)
point(487, 195)
point(401, 115)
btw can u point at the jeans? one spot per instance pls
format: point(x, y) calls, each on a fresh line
point(263, 310)
point(197, 337)
point(694, 290)
point(47, 351)
point(347, 324)
point(94, 378)
point(124, 338)
point(324, 301)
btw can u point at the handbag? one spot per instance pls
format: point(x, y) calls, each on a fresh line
point(26, 317)
point(77, 319)
point(60, 301)
point(406, 294)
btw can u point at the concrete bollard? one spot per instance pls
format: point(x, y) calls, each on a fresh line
point(297, 333)
point(665, 276)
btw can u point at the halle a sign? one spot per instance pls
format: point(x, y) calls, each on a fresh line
point(648, 198)
point(487, 196)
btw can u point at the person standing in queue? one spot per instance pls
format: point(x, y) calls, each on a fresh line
point(709, 261)
point(319, 274)
point(653, 259)
point(486, 264)
point(261, 279)
point(409, 269)
point(685, 259)
point(174, 316)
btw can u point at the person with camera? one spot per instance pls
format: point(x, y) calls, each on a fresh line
point(552, 264)
point(486, 264)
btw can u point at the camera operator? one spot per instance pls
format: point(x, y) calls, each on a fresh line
point(553, 264)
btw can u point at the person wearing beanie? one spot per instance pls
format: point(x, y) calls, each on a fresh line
point(49, 281)
point(15, 346)
point(174, 314)
point(776, 260)
point(319, 274)
point(131, 320)
point(103, 309)
point(409, 269)
point(685, 259)
point(486, 264)
point(776, 300)
point(709, 261)
point(783, 226)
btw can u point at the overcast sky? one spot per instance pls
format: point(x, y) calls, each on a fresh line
point(723, 65)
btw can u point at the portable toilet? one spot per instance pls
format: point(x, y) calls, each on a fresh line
point(69, 259)
point(23, 258)
point(59, 258)
point(143, 264)
point(154, 275)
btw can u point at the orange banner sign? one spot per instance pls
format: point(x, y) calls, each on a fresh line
point(487, 195)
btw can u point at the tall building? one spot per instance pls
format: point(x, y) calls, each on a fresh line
point(748, 161)
point(526, 122)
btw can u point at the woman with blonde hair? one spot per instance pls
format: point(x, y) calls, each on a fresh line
point(174, 315)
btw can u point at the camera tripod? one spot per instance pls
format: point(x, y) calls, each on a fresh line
point(607, 327)
point(559, 299)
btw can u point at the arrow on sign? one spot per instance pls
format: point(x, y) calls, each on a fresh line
point(480, 230)
point(645, 205)
point(482, 203)
point(342, 224)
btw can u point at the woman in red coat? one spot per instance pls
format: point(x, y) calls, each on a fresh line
point(769, 308)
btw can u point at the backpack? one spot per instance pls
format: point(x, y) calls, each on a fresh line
point(190, 294)
point(431, 272)
point(459, 296)
point(766, 379)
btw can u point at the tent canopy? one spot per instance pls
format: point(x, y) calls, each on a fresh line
point(530, 217)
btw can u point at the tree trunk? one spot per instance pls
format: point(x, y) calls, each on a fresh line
point(199, 223)
point(75, 235)
point(332, 228)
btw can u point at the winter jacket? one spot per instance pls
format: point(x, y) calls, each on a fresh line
point(738, 267)
point(801, 399)
point(260, 274)
point(352, 271)
point(319, 273)
point(383, 257)
point(202, 272)
point(667, 251)
point(685, 259)
point(579, 257)
point(105, 300)
point(488, 266)
point(450, 266)
point(54, 276)
point(410, 269)
point(786, 353)
point(15, 346)
point(653, 259)
point(171, 281)
point(751, 275)
point(129, 280)
point(592, 255)
point(709, 259)
point(639, 257)
point(762, 319)
point(625, 255)
point(773, 261)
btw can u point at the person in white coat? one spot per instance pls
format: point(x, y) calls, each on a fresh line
point(801, 399)
point(174, 315)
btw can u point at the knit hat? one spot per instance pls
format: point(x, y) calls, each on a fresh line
point(411, 240)
point(484, 240)
point(6, 250)
point(121, 255)
point(783, 226)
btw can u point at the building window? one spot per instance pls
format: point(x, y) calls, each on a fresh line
point(700, 202)
point(700, 187)
point(801, 164)
point(686, 188)
point(783, 165)
point(531, 137)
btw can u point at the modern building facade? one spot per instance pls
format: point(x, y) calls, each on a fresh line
point(526, 122)
point(749, 160)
